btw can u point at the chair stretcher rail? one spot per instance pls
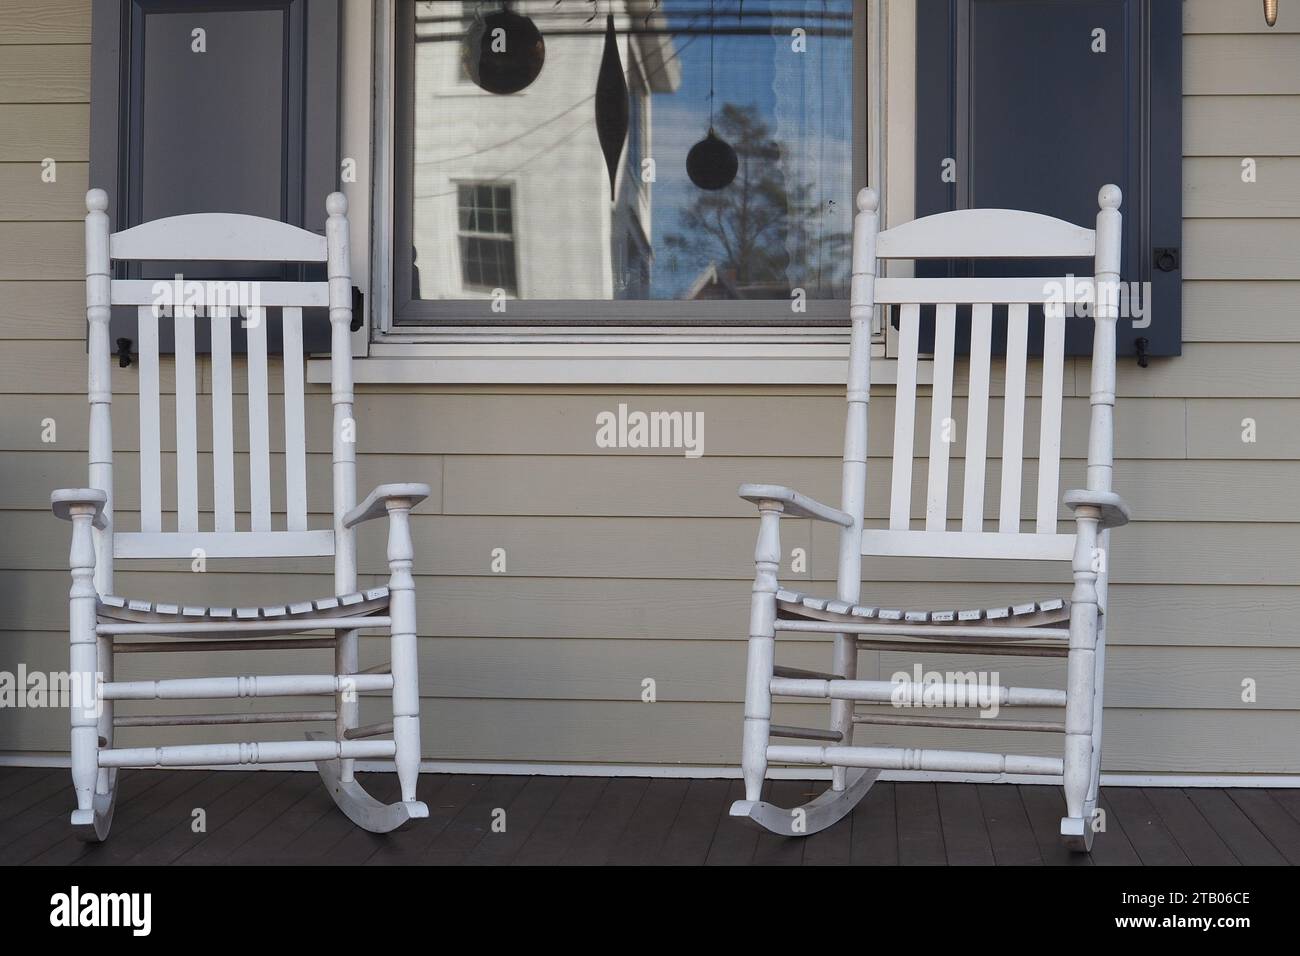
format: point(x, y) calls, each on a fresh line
point(207, 688)
point(275, 751)
point(204, 720)
point(906, 758)
point(885, 691)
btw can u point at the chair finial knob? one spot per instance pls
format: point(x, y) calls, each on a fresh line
point(97, 200)
point(868, 199)
point(336, 204)
point(1110, 196)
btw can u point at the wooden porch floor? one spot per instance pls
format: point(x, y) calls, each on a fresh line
point(255, 817)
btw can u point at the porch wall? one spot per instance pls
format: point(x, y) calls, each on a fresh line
point(625, 566)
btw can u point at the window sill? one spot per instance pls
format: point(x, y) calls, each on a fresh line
point(608, 364)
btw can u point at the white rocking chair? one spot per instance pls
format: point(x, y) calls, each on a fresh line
point(99, 618)
point(963, 234)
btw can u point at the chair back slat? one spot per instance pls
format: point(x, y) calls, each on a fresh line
point(1013, 417)
point(900, 497)
point(223, 428)
point(259, 424)
point(295, 422)
point(941, 423)
point(187, 448)
point(150, 421)
point(1049, 433)
point(977, 418)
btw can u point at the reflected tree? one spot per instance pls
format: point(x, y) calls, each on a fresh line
point(766, 235)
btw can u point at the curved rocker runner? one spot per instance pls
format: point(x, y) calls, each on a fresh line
point(1073, 628)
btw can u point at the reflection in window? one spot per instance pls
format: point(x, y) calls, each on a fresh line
point(511, 191)
point(487, 245)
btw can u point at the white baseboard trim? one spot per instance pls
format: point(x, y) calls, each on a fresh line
point(730, 773)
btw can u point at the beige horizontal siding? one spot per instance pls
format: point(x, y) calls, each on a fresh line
point(627, 565)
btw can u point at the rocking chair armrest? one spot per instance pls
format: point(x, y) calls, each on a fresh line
point(376, 503)
point(1114, 509)
point(63, 500)
point(796, 504)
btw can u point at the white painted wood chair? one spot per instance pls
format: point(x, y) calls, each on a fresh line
point(99, 618)
point(1073, 628)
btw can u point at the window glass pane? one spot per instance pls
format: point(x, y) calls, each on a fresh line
point(512, 190)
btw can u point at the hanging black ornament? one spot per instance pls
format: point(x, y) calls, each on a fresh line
point(712, 162)
point(503, 52)
point(611, 103)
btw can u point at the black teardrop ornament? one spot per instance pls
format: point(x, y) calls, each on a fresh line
point(712, 162)
point(503, 52)
point(611, 103)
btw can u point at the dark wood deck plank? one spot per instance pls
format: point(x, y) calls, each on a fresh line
point(557, 831)
point(278, 792)
point(529, 808)
point(1287, 799)
point(961, 819)
point(140, 793)
point(734, 838)
point(874, 841)
point(356, 845)
point(1195, 834)
point(36, 828)
point(13, 779)
point(1279, 827)
point(1248, 845)
point(271, 845)
point(1147, 832)
point(446, 796)
point(691, 836)
point(920, 834)
point(1044, 806)
point(1111, 846)
point(599, 833)
point(475, 821)
point(832, 846)
point(265, 817)
point(772, 849)
point(221, 796)
point(1010, 833)
point(167, 803)
point(648, 827)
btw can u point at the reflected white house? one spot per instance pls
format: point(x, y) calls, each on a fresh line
point(511, 191)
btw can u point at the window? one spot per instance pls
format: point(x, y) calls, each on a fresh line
point(487, 245)
point(512, 191)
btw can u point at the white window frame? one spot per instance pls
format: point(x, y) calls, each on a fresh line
point(622, 355)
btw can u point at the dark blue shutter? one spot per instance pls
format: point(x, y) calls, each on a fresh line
point(1012, 91)
point(251, 125)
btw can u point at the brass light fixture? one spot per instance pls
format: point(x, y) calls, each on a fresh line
point(1270, 12)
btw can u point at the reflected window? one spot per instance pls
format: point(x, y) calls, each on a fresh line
point(512, 191)
point(487, 244)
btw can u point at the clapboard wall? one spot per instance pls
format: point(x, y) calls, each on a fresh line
point(625, 565)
